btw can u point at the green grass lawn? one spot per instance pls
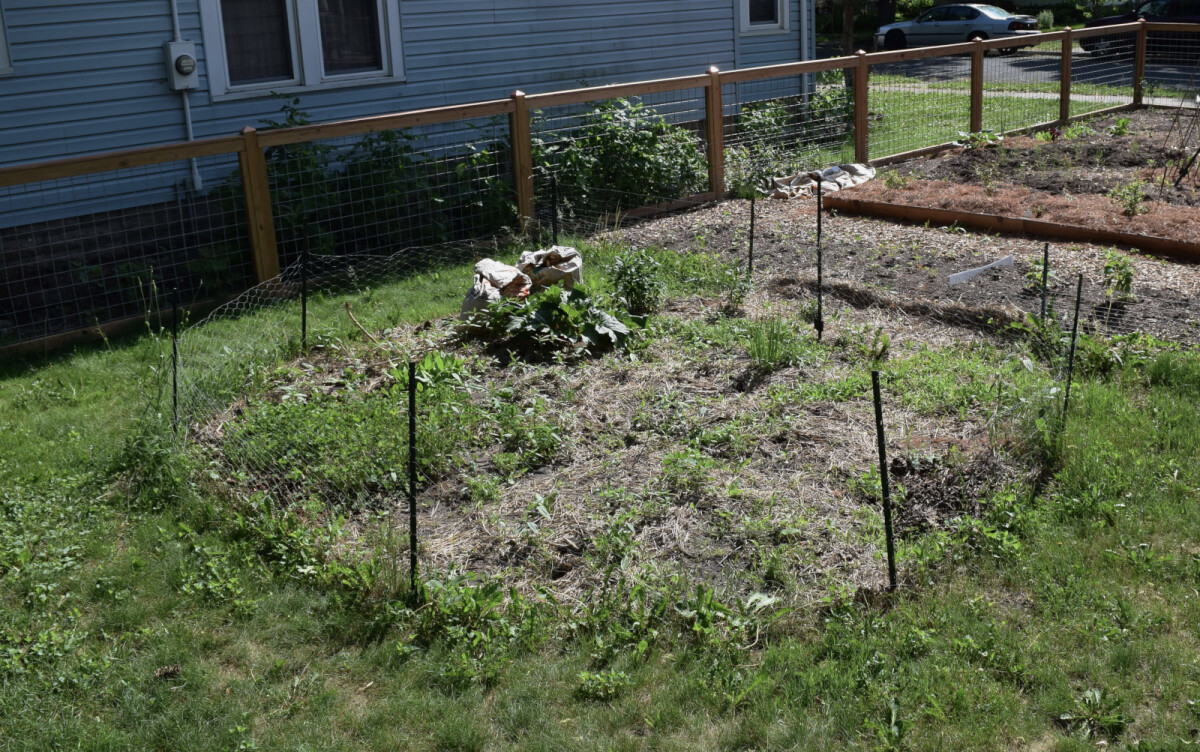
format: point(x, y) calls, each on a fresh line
point(151, 615)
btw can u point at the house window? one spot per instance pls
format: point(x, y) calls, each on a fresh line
point(256, 47)
point(5, 59)
point(764, 16)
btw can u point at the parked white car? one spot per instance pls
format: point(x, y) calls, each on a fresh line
point(950, 24)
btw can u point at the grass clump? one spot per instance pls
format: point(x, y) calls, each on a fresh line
point(775, 343)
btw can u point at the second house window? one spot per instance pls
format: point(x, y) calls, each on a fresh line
point(264, 46)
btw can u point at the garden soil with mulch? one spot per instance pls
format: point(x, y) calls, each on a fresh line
point(909, 264)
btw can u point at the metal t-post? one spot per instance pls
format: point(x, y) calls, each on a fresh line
point(412, 480)
point(1071, 356)
point(554, 205)
point(819, 321)
point(883, 481)
point(1045, 276)
point(175, 360)
point(750, 267)
point(304, 301)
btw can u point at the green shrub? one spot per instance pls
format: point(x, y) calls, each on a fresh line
point(625, 155)
point(1129, 197)
point(636, 278)
point(552, 321)
point(1118, 276)
point(1045, 19)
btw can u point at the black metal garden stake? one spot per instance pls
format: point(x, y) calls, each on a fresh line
point(1045, 276)
point(304, 301)
point(175, 359)
point(819, 321)
point(412, 480)
point(554, 205)
point(750, 267)
point(1071, 356)
point(883, 481)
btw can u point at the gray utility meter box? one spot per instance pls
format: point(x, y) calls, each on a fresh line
point(182, 70)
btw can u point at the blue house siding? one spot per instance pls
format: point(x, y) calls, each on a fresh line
point(89, 76)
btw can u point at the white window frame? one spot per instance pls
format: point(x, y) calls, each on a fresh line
point(6, 66)
point(782, 26)
point(308, 62)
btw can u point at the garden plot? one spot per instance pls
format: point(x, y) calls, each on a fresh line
point(909, 265)
point(1116, 172)
point(725, 446)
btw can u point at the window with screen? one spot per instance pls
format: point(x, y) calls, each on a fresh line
point(350, 36)
point(764, 12)
point(258, 41)
point(764, 16)
point(256, 47)
point(5, 56)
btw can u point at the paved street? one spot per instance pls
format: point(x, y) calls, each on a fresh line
point(1031, 66)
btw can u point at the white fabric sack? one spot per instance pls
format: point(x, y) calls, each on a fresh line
point(559, 263)
point(804, 184)
point(494, 280)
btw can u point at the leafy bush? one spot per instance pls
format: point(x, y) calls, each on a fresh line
point(637, 281)
point(978, 139)
point(1129, 197)
point(1118, 276)
point(602, 685)
point(553, 320)
point(625, 154)
point(1045, 19)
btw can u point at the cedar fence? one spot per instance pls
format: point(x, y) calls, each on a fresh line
point(90, 270)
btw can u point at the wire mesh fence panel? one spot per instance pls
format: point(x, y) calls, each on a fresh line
point(383, 191)
point(88, 250)
point(1102, 72)
point(1021, 87)
point(620, 154)
point(918, 103)
point(1172, 67)
point(787, 124)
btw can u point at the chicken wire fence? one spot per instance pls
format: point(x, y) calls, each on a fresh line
point(392, 189)
point(778, 126)
point(99, 263)
point(78, 252)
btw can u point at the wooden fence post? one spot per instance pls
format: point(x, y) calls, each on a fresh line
point(1064, 84)
point(1139, 63)
point(257, 191)
point(522, 160)
point(862, 145)
point(977, 86)
point(714, 124)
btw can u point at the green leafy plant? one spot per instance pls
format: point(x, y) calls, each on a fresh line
point(737, 286)
point(1119, 128)
point(636, 277)
point(1045, 19)
point(602, 685)
point(1096, 714)
point(1033, 276)
point(1130, 197)
point(978, 139)
point(552, 320)
point(895, 180)
point(1118, 276)
point(622, 155)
